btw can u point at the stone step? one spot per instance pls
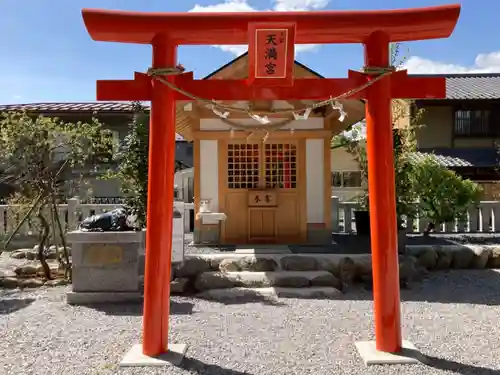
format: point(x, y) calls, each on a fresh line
point(262, 249)
point(287, 279)
point(277, 257)
point(270, 293)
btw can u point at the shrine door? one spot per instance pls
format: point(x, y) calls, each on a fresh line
point(263, 194)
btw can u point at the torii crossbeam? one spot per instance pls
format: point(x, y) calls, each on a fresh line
point(402, 86)
point(374, 29)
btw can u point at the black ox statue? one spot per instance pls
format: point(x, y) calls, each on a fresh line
point(117, 220)
point(112, 221)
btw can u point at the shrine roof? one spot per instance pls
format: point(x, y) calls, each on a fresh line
point(227, 65)
point(232, 28)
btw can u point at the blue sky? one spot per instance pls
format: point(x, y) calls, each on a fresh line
point(47, 55)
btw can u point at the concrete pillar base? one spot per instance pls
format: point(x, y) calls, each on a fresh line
point(135, 358)
point(371, 356)
point(84, 298)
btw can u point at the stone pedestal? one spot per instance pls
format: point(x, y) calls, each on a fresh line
point(105, 264)
point(209, 231)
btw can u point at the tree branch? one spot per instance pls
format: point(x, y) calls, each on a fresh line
point(28, 214)
point(41, 245)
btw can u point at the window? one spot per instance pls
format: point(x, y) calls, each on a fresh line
point(346, 179)
point(269, 165)
point(477, 122)
point(280, 165)
point(242, 166)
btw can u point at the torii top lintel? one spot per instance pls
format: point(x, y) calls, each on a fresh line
point(309, 27)
point(320, 27)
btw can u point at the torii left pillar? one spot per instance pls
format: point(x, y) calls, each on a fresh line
point(161, 187)
point(161, 170)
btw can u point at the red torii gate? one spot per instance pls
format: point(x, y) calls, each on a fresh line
point(375, 29)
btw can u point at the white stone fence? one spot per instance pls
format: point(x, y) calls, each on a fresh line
point(483, 219)
point(71, 215)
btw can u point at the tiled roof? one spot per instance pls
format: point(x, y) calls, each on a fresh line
point(473, 86)
point(470, 85)
point(461, 157)
point(71, 107)
point(106, 107)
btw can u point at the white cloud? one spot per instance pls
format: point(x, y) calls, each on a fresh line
point(484, 63)
point(226, 6)
point(278, 5)
point(284, 5)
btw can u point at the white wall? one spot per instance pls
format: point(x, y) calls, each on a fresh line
point(315, 186)
point(215, 124)
point(209, 173)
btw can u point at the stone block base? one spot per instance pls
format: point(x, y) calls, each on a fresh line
point(106, 261)
point(317, 234)
point(135, 358)
point(371, 356)
point(207, 234)
point(120, 278)
point(87, 298)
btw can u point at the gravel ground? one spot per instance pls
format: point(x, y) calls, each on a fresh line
point(451, 317)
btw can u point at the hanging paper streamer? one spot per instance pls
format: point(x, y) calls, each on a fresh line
point(219, 113)
point(304, 116)
point(263, 120)
point(339, 107)
point(265, 137)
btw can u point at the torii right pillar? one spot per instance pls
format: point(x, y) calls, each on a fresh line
point(388, 346)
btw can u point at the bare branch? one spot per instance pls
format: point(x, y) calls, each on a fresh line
point(23, 220)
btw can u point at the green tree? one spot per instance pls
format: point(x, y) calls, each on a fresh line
point(132, 161)
point(443, 195)
point(404, 142)
point(38, 155)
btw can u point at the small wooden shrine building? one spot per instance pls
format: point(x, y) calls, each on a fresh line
point(267, 187)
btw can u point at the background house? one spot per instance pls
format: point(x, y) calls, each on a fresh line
point(461, 131)
point(115, 117)
point(346, 177)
